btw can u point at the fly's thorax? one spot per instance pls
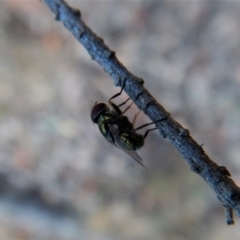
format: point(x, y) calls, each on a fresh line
point(104, 127)
point(124, 124)
point(132, 140)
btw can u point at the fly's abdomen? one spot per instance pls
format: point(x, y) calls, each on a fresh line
point(132, 141)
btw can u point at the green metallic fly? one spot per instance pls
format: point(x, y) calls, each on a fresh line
point(116, 127)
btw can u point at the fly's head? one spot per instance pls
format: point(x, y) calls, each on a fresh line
point(98, 109)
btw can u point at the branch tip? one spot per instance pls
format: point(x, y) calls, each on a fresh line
point(229, 215)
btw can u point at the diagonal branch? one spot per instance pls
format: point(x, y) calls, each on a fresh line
point(218, 177)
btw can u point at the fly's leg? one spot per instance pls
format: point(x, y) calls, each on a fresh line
point(116, 107)
point(135, 117)
point(118, 94)
point(149, 130)
point(127, 107)
point(147, 124)
point(130, 105)
point(124, 102)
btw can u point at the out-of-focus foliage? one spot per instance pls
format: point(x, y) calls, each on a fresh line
point(59, 178)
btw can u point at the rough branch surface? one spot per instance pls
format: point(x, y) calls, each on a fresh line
point(218, 177)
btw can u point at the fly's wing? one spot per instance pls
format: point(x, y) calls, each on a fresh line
point(119, 143)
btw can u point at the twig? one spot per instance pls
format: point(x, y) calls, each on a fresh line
point(218, 177)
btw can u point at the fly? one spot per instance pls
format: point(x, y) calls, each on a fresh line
point(117, 128)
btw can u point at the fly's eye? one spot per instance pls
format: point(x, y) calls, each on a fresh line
point(97, 110)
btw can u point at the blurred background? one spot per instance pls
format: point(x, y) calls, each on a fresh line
point(59, 178)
